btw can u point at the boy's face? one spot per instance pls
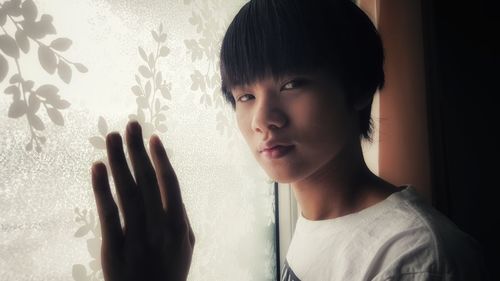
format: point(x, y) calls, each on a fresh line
point(305, 113)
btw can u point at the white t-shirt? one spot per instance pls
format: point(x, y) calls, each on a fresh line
point(399, 238)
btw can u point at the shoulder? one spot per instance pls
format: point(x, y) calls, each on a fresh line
point(423, 244)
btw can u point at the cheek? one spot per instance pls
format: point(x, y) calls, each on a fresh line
point(312, 118)
point(244, 125)
point(322, 126)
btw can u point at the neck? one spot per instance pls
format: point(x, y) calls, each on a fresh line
point(342, 186)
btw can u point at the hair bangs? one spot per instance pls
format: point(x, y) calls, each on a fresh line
point(256, 44)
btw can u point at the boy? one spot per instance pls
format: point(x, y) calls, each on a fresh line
point(300, 76)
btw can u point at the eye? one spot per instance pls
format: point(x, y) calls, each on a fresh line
point(294, 84)
point(245, 97)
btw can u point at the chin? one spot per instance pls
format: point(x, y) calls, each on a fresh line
point(282, 176)
point(283, 171)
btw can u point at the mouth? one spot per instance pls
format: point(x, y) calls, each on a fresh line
point(277, 151)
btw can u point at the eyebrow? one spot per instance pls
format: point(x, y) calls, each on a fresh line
point(242, 88)
point(249, 87)
point(281, 77)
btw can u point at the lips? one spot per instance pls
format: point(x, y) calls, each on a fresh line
point(276, 151)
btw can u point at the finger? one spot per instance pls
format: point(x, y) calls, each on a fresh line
point(191, 233)
point(145, 175)
point(167, 179)
point(109, 217)
point(124, 182)
point(159, 170)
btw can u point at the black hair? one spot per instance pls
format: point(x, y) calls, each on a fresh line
point(277, 37)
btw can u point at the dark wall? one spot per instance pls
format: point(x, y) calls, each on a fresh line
point(463, 84)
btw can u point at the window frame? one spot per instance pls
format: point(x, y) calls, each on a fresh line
point(286, 218)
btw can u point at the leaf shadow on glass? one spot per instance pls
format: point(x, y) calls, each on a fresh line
point(26, 98)
point(151, 114)
point(89, 226)
point(210, 28)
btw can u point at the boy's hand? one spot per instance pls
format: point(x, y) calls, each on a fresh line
point(157, 241)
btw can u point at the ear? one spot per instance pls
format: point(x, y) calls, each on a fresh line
point(363, 102)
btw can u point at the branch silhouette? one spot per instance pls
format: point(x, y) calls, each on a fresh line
point(146, 94)
point(89, 225)
point(26, 101)
point(210, 29)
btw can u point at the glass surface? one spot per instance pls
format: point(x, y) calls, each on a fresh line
point(73, 71)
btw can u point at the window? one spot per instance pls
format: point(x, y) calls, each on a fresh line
point(74, 70)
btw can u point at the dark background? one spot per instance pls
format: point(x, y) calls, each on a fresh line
point(462, 80)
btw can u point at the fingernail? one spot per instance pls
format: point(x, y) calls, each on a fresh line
point(156, 140)
point(114, 138)
point(134, 128)
point(155, 136)
point(95, 167)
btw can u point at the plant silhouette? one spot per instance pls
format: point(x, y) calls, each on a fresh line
point(26, 98)
point(206, 47)
point(145, 91)
point(89, 225)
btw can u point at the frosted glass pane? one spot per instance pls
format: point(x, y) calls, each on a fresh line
point(156, 61)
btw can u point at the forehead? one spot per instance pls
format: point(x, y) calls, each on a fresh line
point(270, 80)
point(265, 81)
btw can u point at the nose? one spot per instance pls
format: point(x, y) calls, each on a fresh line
point(268, 116)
